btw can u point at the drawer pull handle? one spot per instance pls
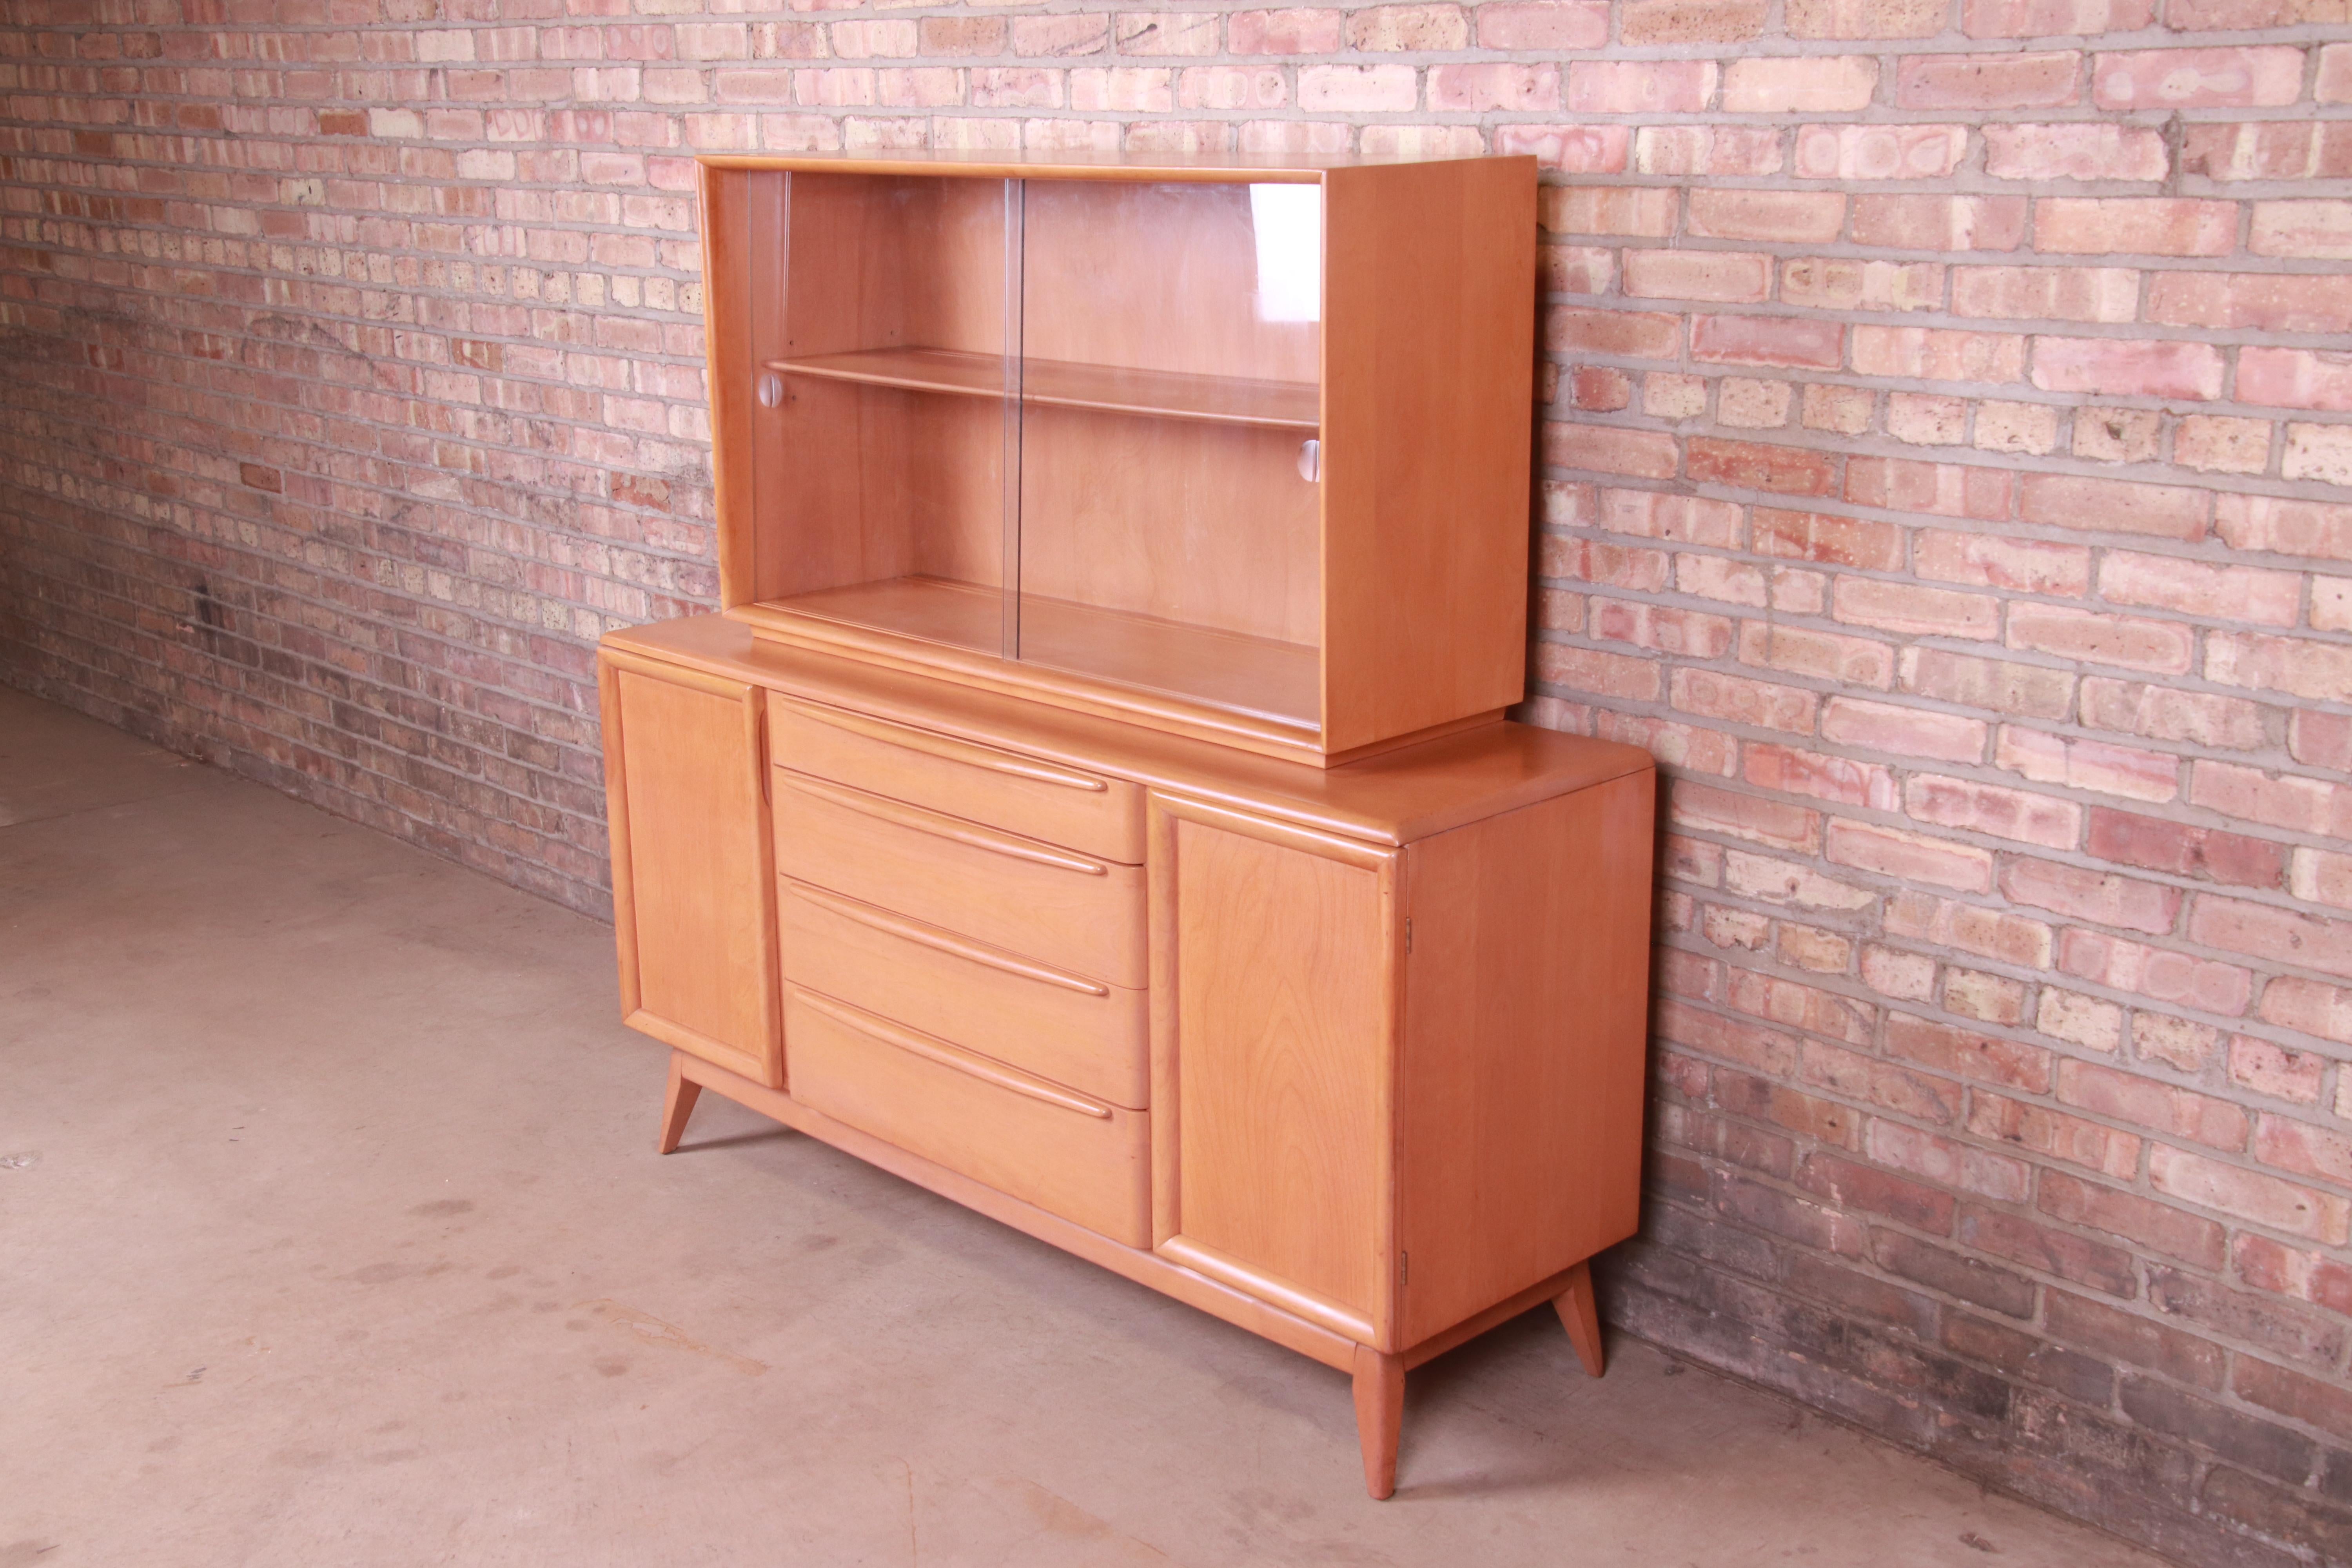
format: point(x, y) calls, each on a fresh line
point(941, 826)
point(931, 937)
point(947, 1055)
point(945, 747)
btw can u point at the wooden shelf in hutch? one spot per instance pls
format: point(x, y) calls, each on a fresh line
point(1110, 389)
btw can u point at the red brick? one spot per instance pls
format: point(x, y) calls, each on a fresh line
point(1630, 334)
point(1640, 454)
point(1837, 84)
point(2295, 378)
point(2042, 80)
point(2163, 712)
point(1547, 25)
point(1947, 489)
point(2159, 1106)
point(1929, 353)
point(1713, 695)
point(1489, 86)
point(2264, 931)
point(2074, 151)
point(1993, 560)
point(1608, 210)
point(2109, 294)
point(2049, 1251)
point(2269, 150)
point(1768, 341)
point(2197, 78)
point(2319, 230)
point(2111, 506)
point(2117, 367)
point(1879, 152)
point(1947, 1162)
point(1940, 223)
point(2305, 1148)
point(1836, 779)
point(1571, 148)
point(1781, 217)
point(2163, 646)
point(1908, 857)
point(2054, 1134)
point(1914, 610)
point(1836, 541)
point(1865, 18)
point(1903, 731)
point(2019, 814)
point(1750, 464)
point(2249, 1194)
point(1641, 86)
point(1690, 21)
point(2186, 851)
point(2217, 593)
point(2087, 765)
point(2289, 1271)
point(1688, 633)
point(2298, 665)
point(2262, 302)
point(2135, 1340)
point(2088, 895)
point(1604, 674)
point(2161, 1228)
point(2310, 805)
point(2149, 225)
point(2273, 1070)
point(1967, 1053)
point(2053, 18)
point(1779, 824)
point(1723, 275)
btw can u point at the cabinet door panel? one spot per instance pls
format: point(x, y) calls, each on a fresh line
point(692, 881)
point(1273, 1045)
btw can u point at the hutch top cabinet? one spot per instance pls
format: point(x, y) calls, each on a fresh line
point(1235, 452)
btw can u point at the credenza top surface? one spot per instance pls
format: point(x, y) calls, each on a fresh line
point(1394, 798)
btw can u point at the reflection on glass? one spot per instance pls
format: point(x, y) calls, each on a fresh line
point(1144, 474)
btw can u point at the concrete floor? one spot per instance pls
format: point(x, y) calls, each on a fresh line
point(331, 1233)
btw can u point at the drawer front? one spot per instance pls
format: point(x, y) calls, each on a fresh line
point(1068, 1153)
point(1087, 1034)
point(1069, 806)
point(1065, 909)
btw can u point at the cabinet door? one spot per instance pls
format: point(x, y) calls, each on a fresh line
point(1274, 997)
point(693, 877)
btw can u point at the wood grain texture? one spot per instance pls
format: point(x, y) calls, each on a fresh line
point(1396, 797)
point(1273, 1052)
point(730, 343)
point(1071, 807)
point(695, 917)
point(1525, 1012)
point(677, 1105)
point(1087, 1034)
point(1084, 916)
point(1428, 466)
point(1250, 677)
point(1131, 1263)
point(1057, 383)
point(1580, 1314)
point(1088, 1162)
point(1379, 1417)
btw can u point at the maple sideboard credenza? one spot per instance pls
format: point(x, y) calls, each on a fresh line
point(1093, 802)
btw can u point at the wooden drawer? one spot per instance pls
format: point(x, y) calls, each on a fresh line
point(1067, 1152)
point(1101, 816)
point(1087, 1034)
point(1064, 909)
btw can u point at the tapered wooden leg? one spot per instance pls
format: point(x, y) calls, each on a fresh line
point(680, 1105)
point(1380, 1416)
point(1580, 1317)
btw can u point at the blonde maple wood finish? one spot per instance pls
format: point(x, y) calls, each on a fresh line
point(1080, 1158)
point(1066, 1027)
point(1073, 808)
point(1133, 488)
point(1396, 1008)
point(1078, 913)
point(1380, 1416)
point(1580, 1314)
point(677, 1105)
point(685, 777)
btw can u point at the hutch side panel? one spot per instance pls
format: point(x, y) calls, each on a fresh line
point(1428, 393)
point(1272, 1058)
point(1521, 1080)
point(684, 779)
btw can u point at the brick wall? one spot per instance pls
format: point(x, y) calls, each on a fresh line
point(1948, 473)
